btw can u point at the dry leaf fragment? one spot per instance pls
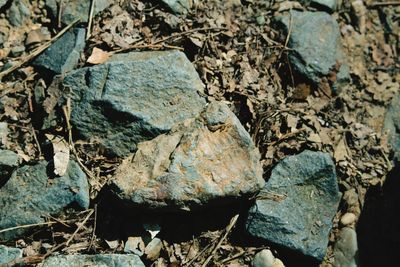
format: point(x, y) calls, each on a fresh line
point(98, 56)
point(341, 151)
point(61, 154)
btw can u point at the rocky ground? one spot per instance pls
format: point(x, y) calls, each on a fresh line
point(199, 133)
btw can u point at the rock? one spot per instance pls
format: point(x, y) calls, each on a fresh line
point(8, 162)
point(134, 245)
point(348, 218)
point(178, 6)
point(392, 125)
point(345, 250)
point(3, 2)
point(63, 56)
point(18, 12)
point(133, 97)
point(29, 195)
point(298, 204)
point(8, 254)
point(99, 260)
point(76, 9)
point(325, 5)
point(264, 258)
point(3, 132)
point(205, 159)
point(17, 51)
point(153, 249)
point(317, 51)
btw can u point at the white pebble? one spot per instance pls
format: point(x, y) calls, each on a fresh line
point(348, 218)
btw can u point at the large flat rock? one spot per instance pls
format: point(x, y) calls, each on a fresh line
point(316, 46)
point(100, 260)
point(8, 162)
point(297, 205)
point(133, 97)
point(30, 195)
point(204, 159)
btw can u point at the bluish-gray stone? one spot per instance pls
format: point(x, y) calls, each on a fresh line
point(316, 46)
point(296, 207)
point(178, 6)
point(30, 195)
point(2, 3)
point(346, 248)
point(8, 162)
point(133, 97)
point(76, 9)
point(392, 125)
point(18, 12)
point(63, 56)
point(8, 254)
point(100, 260)
point(207, 159)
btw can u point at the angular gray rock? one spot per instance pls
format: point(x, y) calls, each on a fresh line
point(8, 162)
point(296, 207)
point(206, 159)
point(317, 50)
point(64, 54)
point(30, 195)
point(8, 254)
point(100, 260)
point(18, 12)
point(178, 6)
point(392, 125)
point(133, 97)
point(345, 251)
point(76, 9)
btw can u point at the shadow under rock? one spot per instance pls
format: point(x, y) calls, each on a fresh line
point(378, 230)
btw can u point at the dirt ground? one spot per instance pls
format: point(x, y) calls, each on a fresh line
point(242, 59)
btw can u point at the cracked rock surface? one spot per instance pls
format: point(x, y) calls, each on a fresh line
point(201, 160)
point(296, 207)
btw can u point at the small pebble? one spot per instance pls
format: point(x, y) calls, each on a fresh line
point(264, 258)
point(16, 51)
point(153, 249)
point(348, 218)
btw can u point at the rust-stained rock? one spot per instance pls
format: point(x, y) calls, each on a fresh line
point(200, 160)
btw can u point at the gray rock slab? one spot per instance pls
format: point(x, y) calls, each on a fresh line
point(133, 97)
point(206, 159)
point(178, 6)
point(100, 260)
point(392, 125)
point(63, 56)
point(297, 204)
point(8, 162)
point(76, 9)
point(8, 254)
point(30, 195)
point(317, 50)
point(345, 251)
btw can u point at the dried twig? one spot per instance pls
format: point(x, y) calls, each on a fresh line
point(94, 228)
point(389, 3)
point(79, 227)
point(37, 51)
point(222, 239)
point(89, 27)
